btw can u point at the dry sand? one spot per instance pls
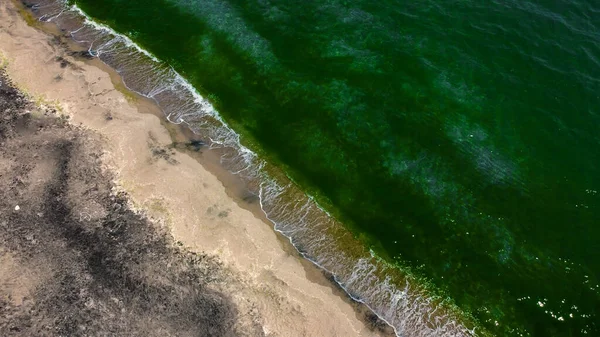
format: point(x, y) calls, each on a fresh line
point(264, 287)
point(76, 260)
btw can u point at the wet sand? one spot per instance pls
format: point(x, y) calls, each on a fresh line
point(175, 206)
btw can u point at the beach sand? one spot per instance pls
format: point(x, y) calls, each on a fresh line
point(184, 206)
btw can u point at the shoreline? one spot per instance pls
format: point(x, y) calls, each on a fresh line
point(169, 147)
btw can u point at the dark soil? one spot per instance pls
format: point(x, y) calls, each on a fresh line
point(97, 268)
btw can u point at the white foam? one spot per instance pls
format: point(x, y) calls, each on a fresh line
point(99, 26)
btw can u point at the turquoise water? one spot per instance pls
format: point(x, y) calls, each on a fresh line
point(457, 138)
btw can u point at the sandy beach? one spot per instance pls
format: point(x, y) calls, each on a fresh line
point(202, 243)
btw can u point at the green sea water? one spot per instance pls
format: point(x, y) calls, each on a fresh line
point(459, 138)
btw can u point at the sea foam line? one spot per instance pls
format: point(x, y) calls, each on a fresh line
point(102, 27)
point(305, 256)
point(198, 98)
point(361, 269)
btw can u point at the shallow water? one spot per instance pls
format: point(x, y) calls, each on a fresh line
point(458, 140)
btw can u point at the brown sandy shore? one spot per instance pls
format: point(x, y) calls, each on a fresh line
point(109, 228)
